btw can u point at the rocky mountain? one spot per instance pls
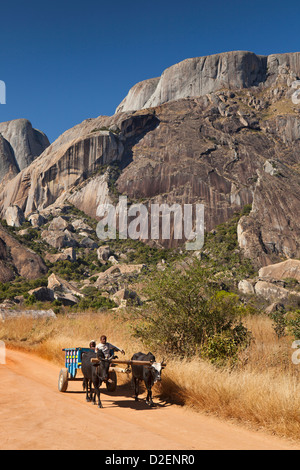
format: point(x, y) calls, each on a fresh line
point(202, 75)
point(222, 130)
point(20, 144)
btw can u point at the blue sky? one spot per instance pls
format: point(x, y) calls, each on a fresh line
point(65, 61)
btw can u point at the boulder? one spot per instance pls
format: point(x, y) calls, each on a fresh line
point(43, 294)
point(7, 314)
point(8, 303)
point(117, 276)
point(103, 253)
point(271, 292)
point(289, 269)
point(24, 232)
point(59, 223)
point(121, 269)
point(274, 307)
point(70, 253)
point(125, 297)
point(36, 219)
point(66, 298)
point(59, 239)
point(87, 242)
point(246, 287)
point(79, 224)
point(63, 290)
point(14, 216)
point(53, 258)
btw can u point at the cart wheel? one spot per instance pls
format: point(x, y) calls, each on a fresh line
point(111, 386)
point(63, 380)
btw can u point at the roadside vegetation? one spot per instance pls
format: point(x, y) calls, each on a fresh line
point(261, 389)
point(224, 354)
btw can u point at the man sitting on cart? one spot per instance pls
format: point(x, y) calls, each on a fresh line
point(108, 349)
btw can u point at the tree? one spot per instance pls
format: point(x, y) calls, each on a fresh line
point(185, 309)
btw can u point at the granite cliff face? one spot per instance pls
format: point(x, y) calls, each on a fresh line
point(20, 144)
point(70, 163)
point(222, 130)
point(198, 154)
point(202, 75)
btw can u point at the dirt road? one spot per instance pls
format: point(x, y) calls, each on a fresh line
point(35, 415)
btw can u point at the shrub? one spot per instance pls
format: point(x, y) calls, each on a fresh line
point(279, 322)
point(20, 286)
point(225, 346)
point(94, 300)
point(293, 323)
point(30, 300)
point(185, 311)
point(221, 250)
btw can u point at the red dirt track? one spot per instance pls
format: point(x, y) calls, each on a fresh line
point(34, 415)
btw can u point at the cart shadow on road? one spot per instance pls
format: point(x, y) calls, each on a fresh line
point(125, 391)
point(123, 397)
point(136, 405)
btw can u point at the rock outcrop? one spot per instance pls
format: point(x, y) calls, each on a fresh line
point(139, 95)
point(9, 314)
point(203, 75)
point(272, 292)
point(278, 283)
point(16, 259)
point(63, 291)
point(14, 216)
point(289, 269)
point(8, 164)
point(20, 144)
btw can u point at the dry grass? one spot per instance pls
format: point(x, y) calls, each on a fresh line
point(262, 391)
point(279, 108)
point(47, 337)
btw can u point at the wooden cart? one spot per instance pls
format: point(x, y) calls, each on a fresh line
point(73, 362)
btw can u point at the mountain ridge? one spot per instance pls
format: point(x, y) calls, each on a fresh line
point(202, 75)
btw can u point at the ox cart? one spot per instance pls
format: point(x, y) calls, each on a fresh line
point(73, 362)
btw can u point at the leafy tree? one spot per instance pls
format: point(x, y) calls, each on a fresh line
point(185, 310)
